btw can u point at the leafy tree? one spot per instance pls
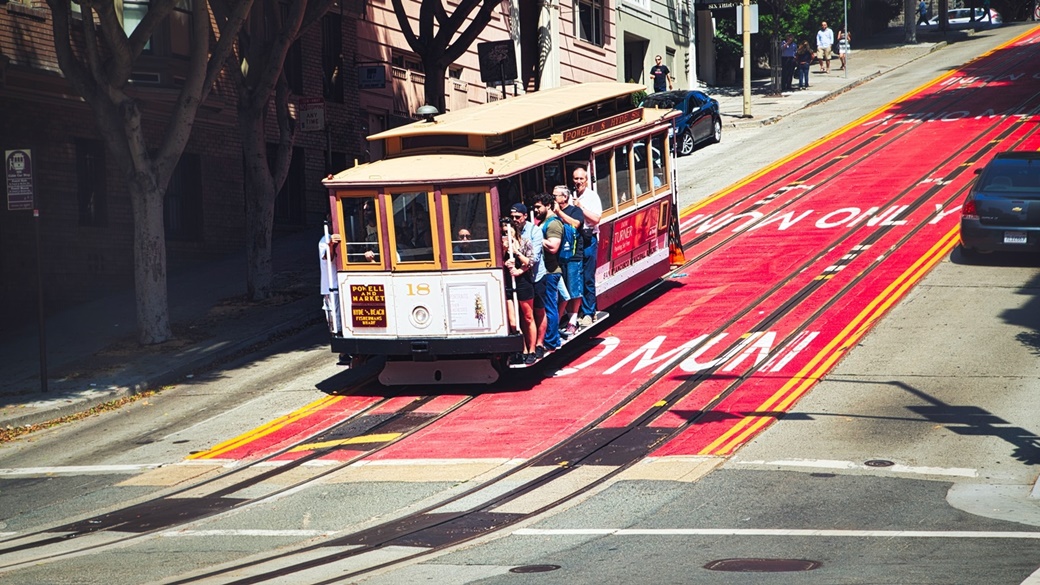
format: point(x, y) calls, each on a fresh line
point(98, 68)
point(437, 29)
point(257, 67)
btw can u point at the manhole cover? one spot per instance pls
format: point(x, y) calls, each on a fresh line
point(879, 463)
point(762, 565)
point(534, 569)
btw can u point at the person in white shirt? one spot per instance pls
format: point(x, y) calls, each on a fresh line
point(824, 42)
point(588, 201)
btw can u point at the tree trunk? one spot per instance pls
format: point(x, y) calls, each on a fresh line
point(260, 194)
point(435, 74)
point(153, 320)
point(909, 22)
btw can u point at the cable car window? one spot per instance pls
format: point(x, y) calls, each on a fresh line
point(603, 189)
point(554, 175)
point(623, 174)
point(642, 168)
point(657, 150)
point(468, 226)
point(361, 230)
point(413, 235)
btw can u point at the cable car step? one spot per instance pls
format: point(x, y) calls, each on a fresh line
point(600, 317)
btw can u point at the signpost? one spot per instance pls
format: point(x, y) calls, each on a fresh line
point(19, 179)
point(21, 196)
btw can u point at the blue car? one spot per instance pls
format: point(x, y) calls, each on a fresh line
point(700, 122)
point(1002, 210)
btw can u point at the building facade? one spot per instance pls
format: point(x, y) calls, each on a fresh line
point(553, 42)
point(653, 27)
point(85, 223)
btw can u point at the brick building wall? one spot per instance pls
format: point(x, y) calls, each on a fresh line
point(39, 111)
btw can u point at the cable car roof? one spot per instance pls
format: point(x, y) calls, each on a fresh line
point(469, 168)
point(504, 116)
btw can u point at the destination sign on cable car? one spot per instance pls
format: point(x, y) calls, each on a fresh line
point(605, 124)
point(368, 305)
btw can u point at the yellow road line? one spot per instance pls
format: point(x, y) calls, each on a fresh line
point(266, 429)
point(822, 362)
point(382, 438)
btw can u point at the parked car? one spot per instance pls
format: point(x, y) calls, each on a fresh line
point(1002, 210)
point(961, 18)
point(700, 121)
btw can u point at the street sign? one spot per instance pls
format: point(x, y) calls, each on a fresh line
point(753, 20)
point(18, 164)
point(312, 114)
point(371, 76)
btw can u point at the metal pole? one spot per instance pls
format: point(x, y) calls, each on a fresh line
point(39, 304)
point(747, 58)
point(848, 45)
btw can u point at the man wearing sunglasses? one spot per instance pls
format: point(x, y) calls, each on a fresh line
point(531, 232)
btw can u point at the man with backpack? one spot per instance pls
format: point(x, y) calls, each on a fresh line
point(552, 237)
point(570, 255)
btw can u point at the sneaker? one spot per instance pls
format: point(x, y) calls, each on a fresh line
point(539, 352)
point(571, 329)
point(529, 359)
point(585, 321)
point(516, 358)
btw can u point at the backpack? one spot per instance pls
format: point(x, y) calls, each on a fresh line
point(570, 241)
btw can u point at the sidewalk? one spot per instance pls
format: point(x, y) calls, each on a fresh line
point(92, 355)
point(869, 59)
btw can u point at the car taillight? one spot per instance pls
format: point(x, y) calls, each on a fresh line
point(968, 211)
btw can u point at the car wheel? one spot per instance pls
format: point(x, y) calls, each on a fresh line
point(686, 142)
point(716, 134)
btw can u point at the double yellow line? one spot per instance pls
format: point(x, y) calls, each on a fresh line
point(266, 429)
point(822, 362)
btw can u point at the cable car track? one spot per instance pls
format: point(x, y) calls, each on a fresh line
point(152, 515)
point(433, 529)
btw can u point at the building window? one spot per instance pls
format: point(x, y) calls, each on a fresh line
point(332, 57)
point(289, 204)
point(133, 14)
point(293, 67)
point(90, 176)
point(172, 38)
point(182, 206)
point(180, 29)
point(589, 21)
point(407, 61)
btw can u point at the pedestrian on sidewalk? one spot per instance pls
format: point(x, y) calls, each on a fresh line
point(922, 12)
point(803, 57)
point(824, 43)
point(661, 75)
point(787, 49)
point(844, 40)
